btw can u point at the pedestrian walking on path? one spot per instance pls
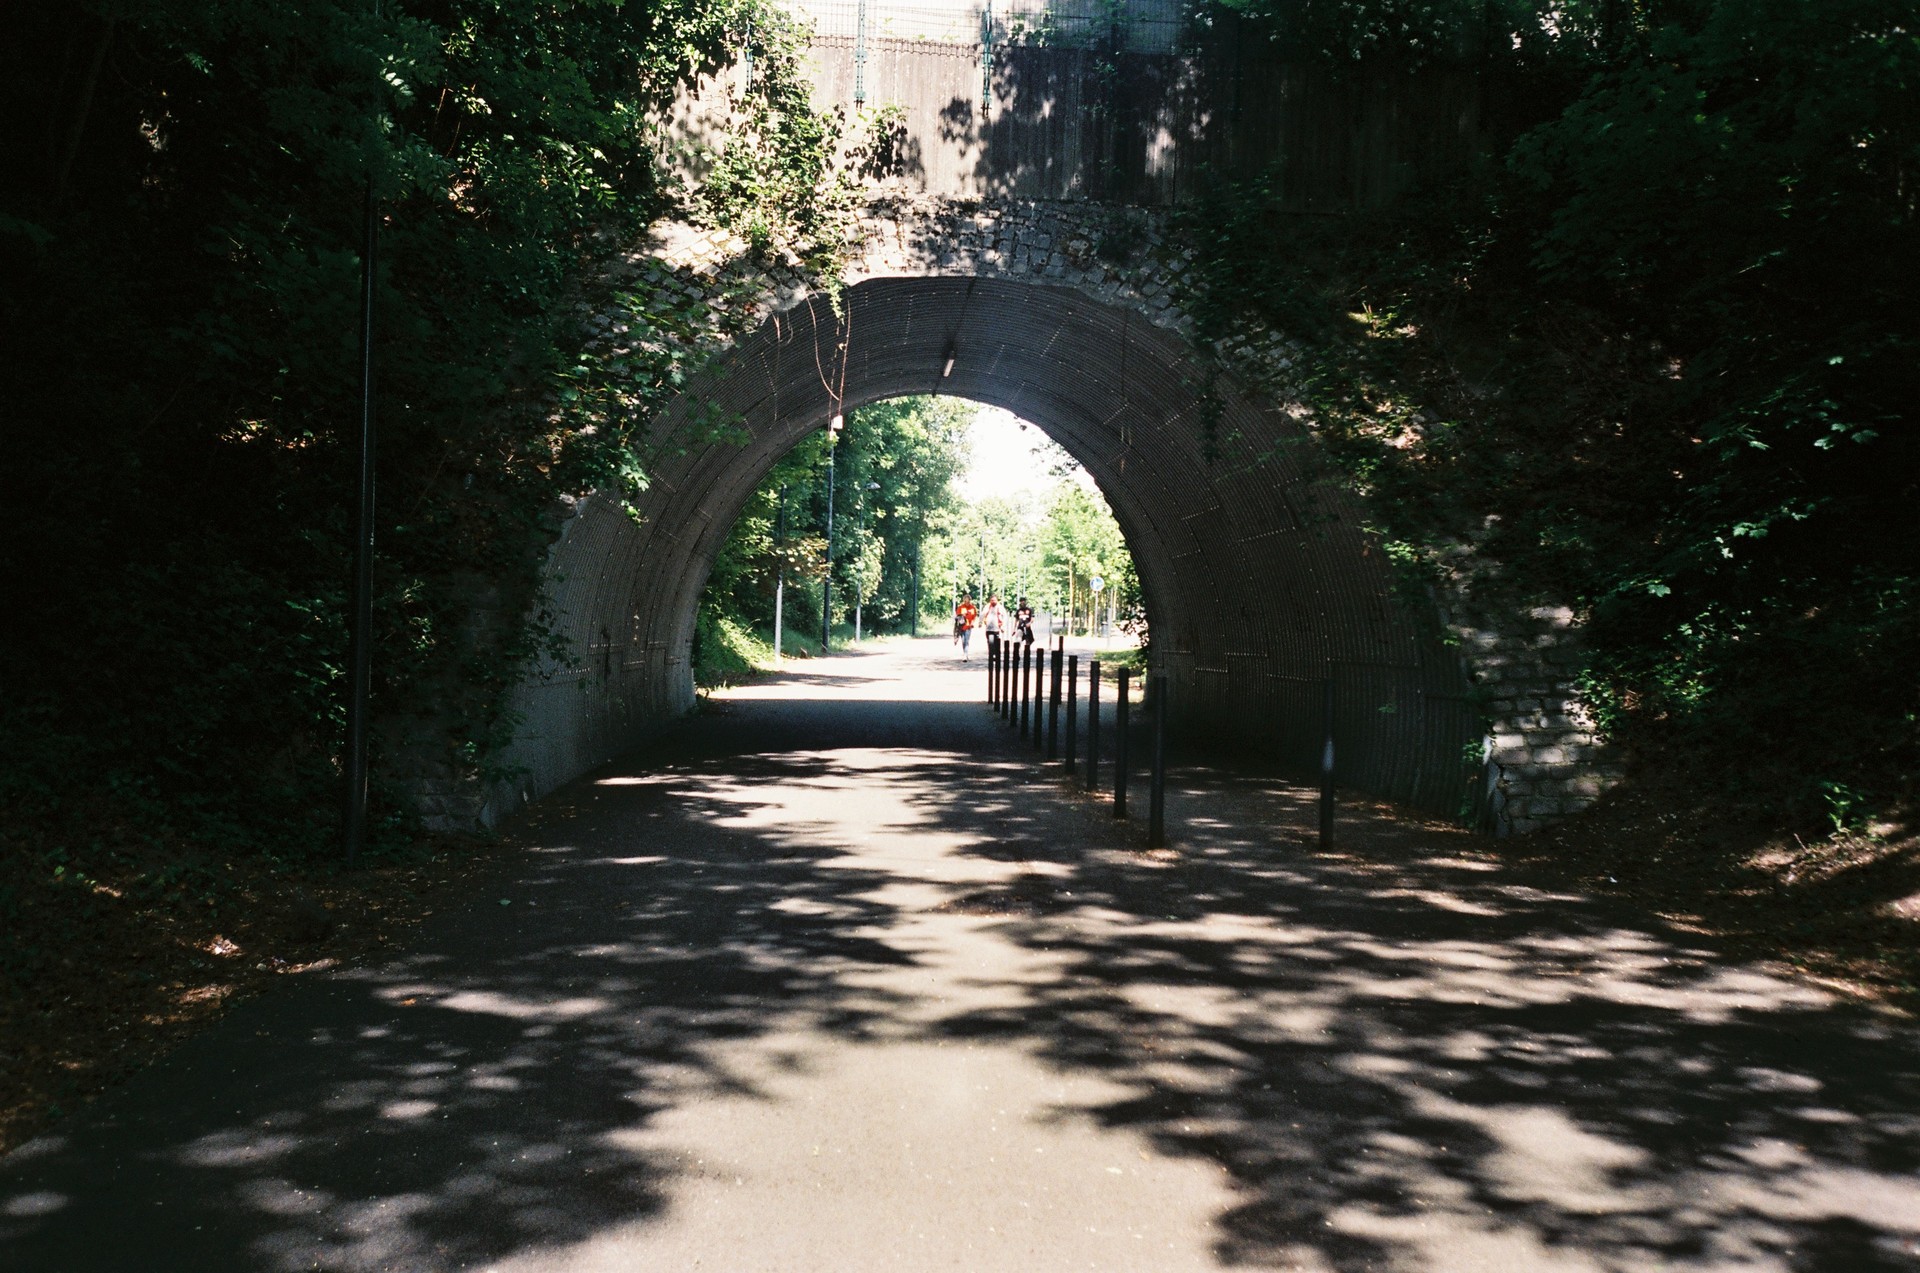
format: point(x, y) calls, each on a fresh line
point(994, 621)
point(965, 615)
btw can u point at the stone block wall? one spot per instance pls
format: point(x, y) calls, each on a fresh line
point(1543, 761)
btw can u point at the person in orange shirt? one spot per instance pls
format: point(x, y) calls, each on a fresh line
point(964, 615)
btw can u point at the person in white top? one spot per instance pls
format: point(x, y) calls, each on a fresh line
point(994, 619)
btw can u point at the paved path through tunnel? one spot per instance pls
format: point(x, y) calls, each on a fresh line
point(832, 979)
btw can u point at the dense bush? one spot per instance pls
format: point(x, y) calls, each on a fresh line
point(1659, 361)
point(180, 242)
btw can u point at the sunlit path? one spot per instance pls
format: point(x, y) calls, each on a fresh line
point(835, 979)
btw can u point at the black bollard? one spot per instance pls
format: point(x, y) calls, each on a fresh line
point(1011, 690)
point(993, 668)
point(1024, 690)
point(1073, 709)
point(1053, 705)
point(1326, 765)
point(1157, 785)
point(1093, 725)
point(1040, 698)
point(1026, 676)
point(1120, 706)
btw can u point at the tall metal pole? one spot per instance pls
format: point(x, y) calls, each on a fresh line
point(780, 574)
point(353, 823)
point(916, 587)
point(986, 62)
point(826, 580)
point(1041, 656)
point(860, 55)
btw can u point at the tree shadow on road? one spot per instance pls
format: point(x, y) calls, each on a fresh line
point(1407, 1056)
point(1402, 1055)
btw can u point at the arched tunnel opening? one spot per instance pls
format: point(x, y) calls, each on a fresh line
point(1254, 562)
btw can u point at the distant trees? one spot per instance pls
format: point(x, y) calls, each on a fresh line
point(896, 508)
point(1079, 542)
point(894, 467)
point(1046, 546)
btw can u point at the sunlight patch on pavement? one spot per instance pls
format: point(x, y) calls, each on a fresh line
point(901, 1157)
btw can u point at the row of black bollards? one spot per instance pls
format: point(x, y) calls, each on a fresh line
point(1017, 688)
point(1033, 690)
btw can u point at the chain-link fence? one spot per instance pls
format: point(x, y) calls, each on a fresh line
point(1137, 26)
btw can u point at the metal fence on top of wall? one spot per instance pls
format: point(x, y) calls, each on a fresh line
point(1136, 26)
point(1130, 102)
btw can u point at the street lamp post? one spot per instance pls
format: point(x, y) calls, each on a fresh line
point(779, 573)
point(826, 577)
point(353, 821)
point(859, 561)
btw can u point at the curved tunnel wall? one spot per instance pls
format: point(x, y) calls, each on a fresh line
point(1259, 579)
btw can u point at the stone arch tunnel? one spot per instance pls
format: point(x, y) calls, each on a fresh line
point(1259, 578)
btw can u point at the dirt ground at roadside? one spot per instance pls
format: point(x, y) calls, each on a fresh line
point(1842, 909)
point(108, 968)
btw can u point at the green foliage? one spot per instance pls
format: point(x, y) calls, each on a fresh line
point(772, 177)
point(1659, 363)
point(1046, 548)
point(893, 471)
point(1406, 33)
point(179, 262)
point(725, 652)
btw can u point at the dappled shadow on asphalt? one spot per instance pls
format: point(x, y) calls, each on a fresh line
point(1401, 1057)
point(1406, 1059)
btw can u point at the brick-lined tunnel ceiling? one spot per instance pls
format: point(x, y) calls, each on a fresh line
point(1258, 578)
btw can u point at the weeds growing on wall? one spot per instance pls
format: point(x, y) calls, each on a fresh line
point(1658, 362)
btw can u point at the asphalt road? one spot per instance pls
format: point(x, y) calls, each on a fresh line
point(834, 978)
